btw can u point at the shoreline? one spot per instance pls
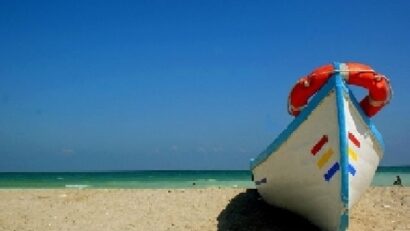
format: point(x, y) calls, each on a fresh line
point(380, 208)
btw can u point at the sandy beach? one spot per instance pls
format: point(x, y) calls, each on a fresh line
point(381, 208)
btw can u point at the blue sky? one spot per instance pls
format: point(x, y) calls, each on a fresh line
point(123, 85)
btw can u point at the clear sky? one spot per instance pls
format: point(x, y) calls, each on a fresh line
point(126, 85)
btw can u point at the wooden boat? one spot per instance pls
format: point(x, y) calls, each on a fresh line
point(322, 163)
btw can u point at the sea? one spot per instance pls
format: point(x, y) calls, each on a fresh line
point(165, 179)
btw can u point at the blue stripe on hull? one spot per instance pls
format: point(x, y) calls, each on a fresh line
point(332, 171)
point(351, 170)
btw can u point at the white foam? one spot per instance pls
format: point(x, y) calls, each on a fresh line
point(80, 186)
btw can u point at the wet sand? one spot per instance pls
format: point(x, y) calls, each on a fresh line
point(381, 208)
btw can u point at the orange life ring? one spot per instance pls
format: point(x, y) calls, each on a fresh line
point(354, 73)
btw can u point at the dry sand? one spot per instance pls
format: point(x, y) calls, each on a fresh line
point(383, 208)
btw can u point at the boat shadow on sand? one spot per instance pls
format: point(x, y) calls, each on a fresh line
point(247, 211)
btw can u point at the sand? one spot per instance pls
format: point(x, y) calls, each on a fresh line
point(381, 208)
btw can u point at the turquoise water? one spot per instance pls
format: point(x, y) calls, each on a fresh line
point(159, 179)
point(127, 179)
point(385, 176)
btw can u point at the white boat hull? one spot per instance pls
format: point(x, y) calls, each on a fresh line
point(324, 161)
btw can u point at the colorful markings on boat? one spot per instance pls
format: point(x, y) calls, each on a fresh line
point(351, 169)
point(319, 145)
point(332, 171)
point(352, 154)
point(354, 140)
point(324, 158)
point(262, 181)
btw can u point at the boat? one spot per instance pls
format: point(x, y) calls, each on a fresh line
point(326, 158)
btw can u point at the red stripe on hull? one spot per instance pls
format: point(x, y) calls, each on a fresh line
point(354, 140)
point(319, 145)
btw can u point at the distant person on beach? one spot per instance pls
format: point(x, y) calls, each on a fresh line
point(398, 181)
